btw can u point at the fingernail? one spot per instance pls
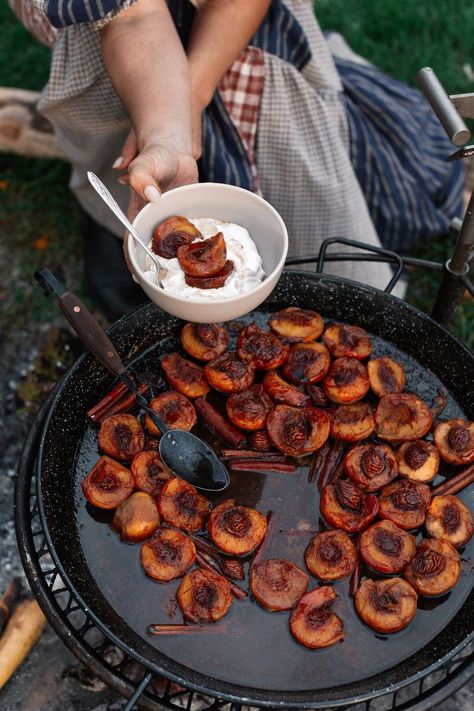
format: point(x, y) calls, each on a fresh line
point(152, 194)
point(118, 162)
point(124, 180)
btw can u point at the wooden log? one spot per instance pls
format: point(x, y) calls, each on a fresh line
point(22, 129)
point(23, 630)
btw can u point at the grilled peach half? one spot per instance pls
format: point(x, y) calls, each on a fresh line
point(405, 503)
point(307, 363)
point(297, 325)
point(352, 423)
point(149, 472)
point(181, 505)
point(402, 418)
point(331, 555)
point(277, 584)
point(184, 376)
point(171, 234)
point(121, 436)
point(418, 460)
point(344, 506)
point(313, 624)
point(203, 258)
point(211, 282)
point(297, 431)
point(167, 555)
point(347, 341)
point(108, 484)
point(249, 409)
point(386, 548)
point(204, 596)
point(263, 349)
point(236, 530)
point(229, 374)
point(386, 376)
point(455, 441)
point(281, 391)
point(175, 409)
point(204, 341)
point(370, 466)
point(137, 518)
point(386, 606)
point(435, 568)
point(347, 381)
point(450, 519)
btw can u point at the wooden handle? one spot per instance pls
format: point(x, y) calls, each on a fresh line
point(90, 332)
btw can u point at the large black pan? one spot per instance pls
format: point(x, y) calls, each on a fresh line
point(254, 660)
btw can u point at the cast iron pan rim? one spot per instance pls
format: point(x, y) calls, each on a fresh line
point(206, 685)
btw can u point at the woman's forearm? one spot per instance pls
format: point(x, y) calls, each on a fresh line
point(221, 29)
point(148, 68)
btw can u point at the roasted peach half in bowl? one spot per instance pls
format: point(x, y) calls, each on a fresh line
point(224, 204)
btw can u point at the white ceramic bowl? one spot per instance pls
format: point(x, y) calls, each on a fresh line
point(222, 202)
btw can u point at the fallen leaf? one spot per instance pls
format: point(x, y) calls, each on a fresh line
point(41, 243)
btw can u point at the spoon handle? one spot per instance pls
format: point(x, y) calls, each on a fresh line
point(106, 196)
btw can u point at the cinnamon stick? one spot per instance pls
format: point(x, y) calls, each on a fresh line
point(331, 461)
point(357, 572)
point(218, 424)
point(123, 402)
point(251, 454)
point(271, 526)
point(456, 483)
point(252, 466)
point(112, 396)
point(317, 461)
point(208, 564)
point(158, 630)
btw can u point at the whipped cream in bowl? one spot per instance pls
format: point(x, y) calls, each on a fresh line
point(256, 243)
point(241, 251)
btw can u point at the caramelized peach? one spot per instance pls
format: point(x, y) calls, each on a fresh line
point(108, 484)
point(181, 505)
point(260, 441)
point(204, 596)
point(203, 258)
point(136, 518)
point(175, 409)
point(401, 418)
point(435, 569)
point(331, 555)
point(204, 341)
point(307, 363)
point(297, 431)
point(172, 234)
point(347, 381)
point(277, 584)
point(418, 461)
point(184, 376)
point(313, 624)
point(405, 503)
point(386, 605)
point(386, 376)
point(167, 555)
point(352, 423)
point(347, 341)
point(229, 374)
point(297, 325)
point(370, 466)
point(344, 506)
point(386, 548)
point(211, 282)
point(149, 472)
point(281, 391)
point(236, 530)
point(249, 409)
point(121, 436)
point(261, 348)
point(455, 441)
point(450, 519)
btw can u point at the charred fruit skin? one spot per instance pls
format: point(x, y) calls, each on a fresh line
point(204, 341)
point(181, 505)
point(297, 325)
point(387, 606)
point(455, 441)
point(402, 418)
point(450, 519)
point(229, 374)
point(121, 437)
point(137, 518)
point(175, 409)
point(347, 381)
point(313, 624)
point(108, 484)
point(167, 555)
point(284, 392)
point(435, 568)
point(352, 423)
point(216, 281)
point(204, 258)
point(297, 431)
point(277, 584)
point(347, 341)
point(249, 409)
point(184, 376)
point(307, 363)
point(386, 376)
point(371, 466)
point(405, 503)
point(204, 596)
point(358, 512)
point(149, 472)
point(171, 234)
point(331, 555)
point(386, 548)
point(263, 349)
point(236, 530)
point(418, 460)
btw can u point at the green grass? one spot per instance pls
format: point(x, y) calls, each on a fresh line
point(399, 36)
